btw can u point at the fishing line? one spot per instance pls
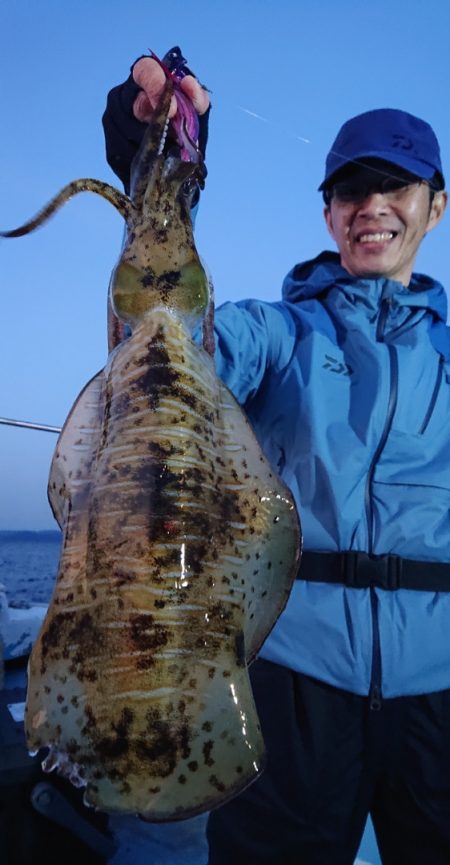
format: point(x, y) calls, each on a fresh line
point(174, 63)
point(290, 134)
point(272, 123)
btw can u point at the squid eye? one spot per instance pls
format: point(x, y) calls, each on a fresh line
point(189, 186)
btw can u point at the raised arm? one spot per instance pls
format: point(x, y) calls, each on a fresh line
point(130, 104)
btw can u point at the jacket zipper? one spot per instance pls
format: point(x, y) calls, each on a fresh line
point(375, 695)
point(434, 396)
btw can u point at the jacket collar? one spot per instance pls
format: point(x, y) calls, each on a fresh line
point(316, 277)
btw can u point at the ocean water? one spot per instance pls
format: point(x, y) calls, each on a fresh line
point(28, 564)
point(28, 568)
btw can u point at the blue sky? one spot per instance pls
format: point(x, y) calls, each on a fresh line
point(304, 66)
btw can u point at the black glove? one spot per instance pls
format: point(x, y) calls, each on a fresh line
point(124, 133)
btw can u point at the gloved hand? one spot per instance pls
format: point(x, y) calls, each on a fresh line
point(129, 108)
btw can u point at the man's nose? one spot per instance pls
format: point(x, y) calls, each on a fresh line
point(375, 203)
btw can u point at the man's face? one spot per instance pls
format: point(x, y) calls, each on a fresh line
point(378, 222)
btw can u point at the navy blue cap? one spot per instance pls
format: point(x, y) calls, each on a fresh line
point(389, 134)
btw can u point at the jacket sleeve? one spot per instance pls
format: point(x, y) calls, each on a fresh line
point(123, 132)
point(251, 338)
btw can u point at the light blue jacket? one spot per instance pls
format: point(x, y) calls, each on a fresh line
point(346, 382)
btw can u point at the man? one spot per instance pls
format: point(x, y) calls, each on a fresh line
point(346, 382)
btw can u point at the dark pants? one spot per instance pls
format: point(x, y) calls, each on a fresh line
point(332, 761)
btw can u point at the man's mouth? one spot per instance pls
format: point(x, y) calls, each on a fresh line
point(376, 237)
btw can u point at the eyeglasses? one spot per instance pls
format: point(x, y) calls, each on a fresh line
point(357, 189)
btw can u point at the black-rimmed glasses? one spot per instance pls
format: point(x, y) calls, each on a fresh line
point(359, 187)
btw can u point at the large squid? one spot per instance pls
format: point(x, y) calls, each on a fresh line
point(180, 543)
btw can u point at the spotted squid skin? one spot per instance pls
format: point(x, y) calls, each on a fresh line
point(180, 545)
point(168, 583)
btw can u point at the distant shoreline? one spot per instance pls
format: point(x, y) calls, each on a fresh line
point(40, 537)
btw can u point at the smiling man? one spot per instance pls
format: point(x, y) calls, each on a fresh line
point(346, 381)
point(383, 190)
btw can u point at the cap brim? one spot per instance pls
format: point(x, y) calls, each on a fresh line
point(415, 166)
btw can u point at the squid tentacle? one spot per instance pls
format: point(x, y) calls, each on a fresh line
point(86, 184)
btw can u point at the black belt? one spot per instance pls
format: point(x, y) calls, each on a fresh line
point(360, 571)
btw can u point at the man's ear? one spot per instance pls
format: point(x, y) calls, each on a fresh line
point(329, 220)
point(437, 209)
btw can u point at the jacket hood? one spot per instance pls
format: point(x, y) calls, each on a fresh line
point(316, 277)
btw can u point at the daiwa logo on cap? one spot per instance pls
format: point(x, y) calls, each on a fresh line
point(403, 142)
